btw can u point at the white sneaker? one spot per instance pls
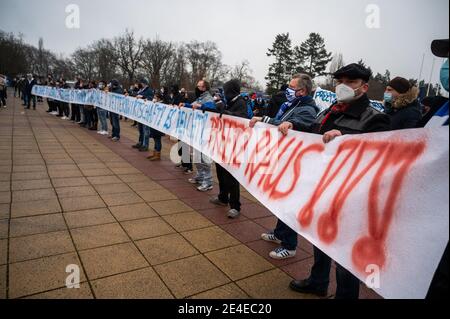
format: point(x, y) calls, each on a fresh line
point(54, 113)
point(193, 181)
point(270, 237)
point(282, 253)
point(205, 188)
point(233, 213)
point(63, 118)
point(105, 133)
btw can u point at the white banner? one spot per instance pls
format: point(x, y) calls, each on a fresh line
point(377, 203)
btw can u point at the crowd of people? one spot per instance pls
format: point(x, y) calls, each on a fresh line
point(292, 108)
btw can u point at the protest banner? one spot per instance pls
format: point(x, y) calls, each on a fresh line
point(378, 204)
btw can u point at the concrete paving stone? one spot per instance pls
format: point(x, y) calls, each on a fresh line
point(139, 284)
point(132, 212)
point(170, 207)
point(29, 176)
point(134, 178)
point(40, 245)
point(122, 199)
point(75, 191)
point(3, 282)
point(91, 166)
point(5, 186)
point(31, 184)
point(84, 292)
point(81, 203)
point(190, 276)
point(156, 195)
point(98, 236)
point(90, 217)
point(187, 221)
point(272, 284)
point(239, 262)
point(64, 173)
point(112, 260)
point(246, 231)
point(97, 172)
point(31, 208)
point(166, 248)
point(4, 211)
point(229, 291)
point(3, 251)
point(113, 189)
point(147, 228)
point(145, 186)
point(36, 225)
point(209, 239)
point(29, 168)
point(33, 195)
point(40, 275)
point(99, 180)
point(70, 182)
point(5, 197)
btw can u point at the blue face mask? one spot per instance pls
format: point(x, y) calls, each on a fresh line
point(388, 98)
point(444, 76)
point(291, 94)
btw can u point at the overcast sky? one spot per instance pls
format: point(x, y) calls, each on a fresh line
point(245, 29)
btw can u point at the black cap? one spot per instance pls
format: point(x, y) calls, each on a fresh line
point(353, 71)
point(440, 48)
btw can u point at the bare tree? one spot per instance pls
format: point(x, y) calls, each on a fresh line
point(156, 55)
point(205, 62)
point(105, 58)
point(128, 54)
point(241, 71)
point(85, 63)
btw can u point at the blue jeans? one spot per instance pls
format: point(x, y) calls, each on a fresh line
point(115, 122)
point(288, 237)
point(144, 135)
point(102, 119)
point(28, 99)
point(158, 144)
point(347, 283)
point(203, 165)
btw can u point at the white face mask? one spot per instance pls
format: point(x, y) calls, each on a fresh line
point(345, 93)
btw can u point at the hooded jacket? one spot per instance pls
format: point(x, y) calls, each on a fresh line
point(405, 112)
point(235, 104)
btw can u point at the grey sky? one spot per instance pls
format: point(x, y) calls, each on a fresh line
point(245, 29)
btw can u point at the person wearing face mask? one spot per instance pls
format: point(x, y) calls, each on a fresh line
point(440, 48)
point(351, 114)
point(300, 110)
point(115, 87)
point(101, 113)
point(298, 113)
point(232, 103)
point(440, 282)
point(205, 102)
point(401, 104)
point(145, 93)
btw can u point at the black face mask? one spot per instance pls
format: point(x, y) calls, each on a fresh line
point(198, 92)
point(229, 97)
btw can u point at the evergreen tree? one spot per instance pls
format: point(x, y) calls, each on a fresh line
point(281, 70)
point(312, 57)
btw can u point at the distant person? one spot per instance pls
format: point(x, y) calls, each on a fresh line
point(277, 100)
point(401, 104)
